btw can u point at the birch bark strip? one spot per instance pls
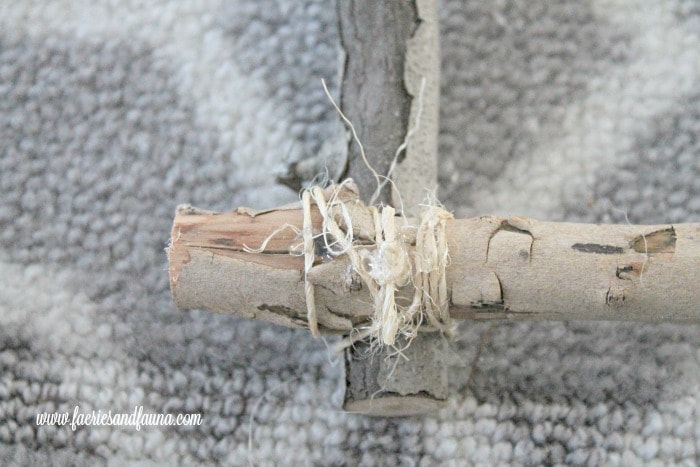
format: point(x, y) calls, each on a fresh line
point(391, 79)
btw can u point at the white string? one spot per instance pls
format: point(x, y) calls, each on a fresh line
point(354, 133)
point(382, 180)
point(276, 232)
point(403, 145)
point(309, 257)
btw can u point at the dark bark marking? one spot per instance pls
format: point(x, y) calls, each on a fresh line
point(626, 272)
point(615, 297)
point(598, 249)
point(490, 305)
point(622, 270)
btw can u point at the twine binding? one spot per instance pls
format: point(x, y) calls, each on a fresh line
point(384, 267)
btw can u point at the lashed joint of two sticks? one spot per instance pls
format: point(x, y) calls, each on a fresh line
point(389, 263)
point(387, 259)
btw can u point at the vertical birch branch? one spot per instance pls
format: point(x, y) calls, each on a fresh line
point(374, 38)
point(390, 87)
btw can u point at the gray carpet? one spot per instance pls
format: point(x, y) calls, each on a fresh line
point(112, 113)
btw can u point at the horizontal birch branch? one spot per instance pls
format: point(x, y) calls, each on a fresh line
point(500, 268)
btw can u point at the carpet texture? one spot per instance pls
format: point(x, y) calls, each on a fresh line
point(114, 112)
